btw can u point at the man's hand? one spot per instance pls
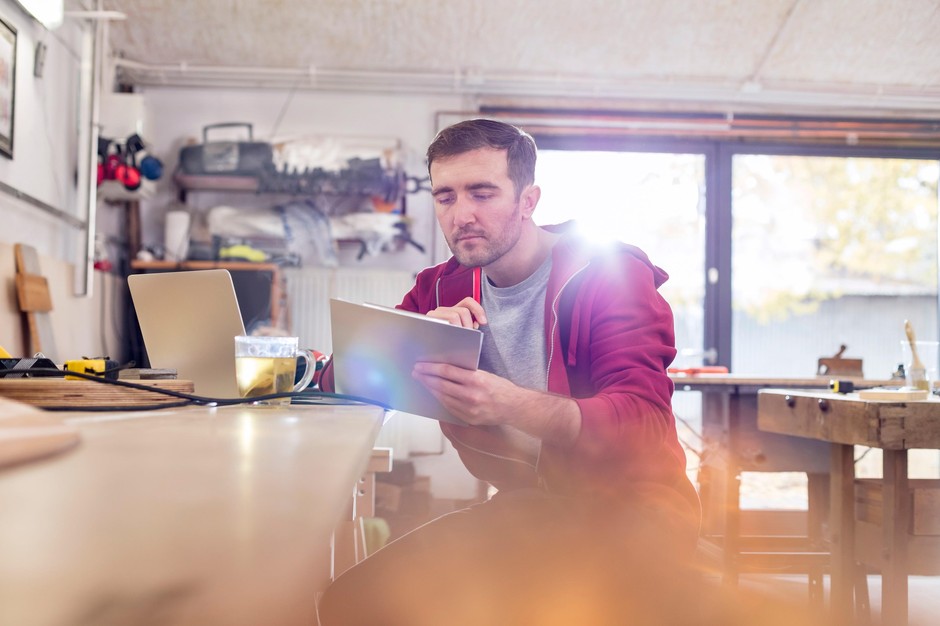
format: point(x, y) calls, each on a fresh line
point(480, 398)
point(467, 313)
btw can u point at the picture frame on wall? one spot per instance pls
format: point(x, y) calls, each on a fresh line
point(7, 86)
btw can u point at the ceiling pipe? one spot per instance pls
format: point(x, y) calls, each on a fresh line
point(770, 95)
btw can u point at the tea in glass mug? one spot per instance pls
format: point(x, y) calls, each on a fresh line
point(267, 365)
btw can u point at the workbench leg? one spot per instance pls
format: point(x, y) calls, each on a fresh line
point(732, 538)
point(895, 526)
point(862, 603)
point(842, 532)
point(732, 491)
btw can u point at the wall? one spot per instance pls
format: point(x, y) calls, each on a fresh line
point(43, 166)
point(80, 326)
point(177, 115)
point(45, 138)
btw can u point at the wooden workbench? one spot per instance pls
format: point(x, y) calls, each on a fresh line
point(732, 444)
point(877, 524)
point(181, 516)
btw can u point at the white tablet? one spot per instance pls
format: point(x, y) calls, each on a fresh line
point(375, 348)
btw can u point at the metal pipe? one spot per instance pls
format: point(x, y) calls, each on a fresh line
point(474, 83)
point(92, 57)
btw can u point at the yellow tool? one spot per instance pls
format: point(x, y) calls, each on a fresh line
point(103, 367)
point(4, 354)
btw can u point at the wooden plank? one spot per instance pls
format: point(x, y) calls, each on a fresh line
point(845, 418)
point(33, 303)
point(704, 382)
point(817, 417)
point(55, 392)
point(842, 527)
point(32, 293)
point(893, 395)
point(869, 503)
point(895, 527)
point(380, 461)
point(923, 552)
point(924, 501)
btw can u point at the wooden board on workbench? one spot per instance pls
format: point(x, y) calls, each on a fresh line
point(55, 392)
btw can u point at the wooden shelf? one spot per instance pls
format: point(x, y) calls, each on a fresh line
point(137, 264)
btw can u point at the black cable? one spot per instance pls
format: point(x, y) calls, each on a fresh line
point(105, 408)
point(188, 397)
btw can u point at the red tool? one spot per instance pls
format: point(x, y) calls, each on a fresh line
point(702, 369)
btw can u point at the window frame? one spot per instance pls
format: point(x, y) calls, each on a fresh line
point(719, 155)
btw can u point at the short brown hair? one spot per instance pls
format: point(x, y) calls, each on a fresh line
point(482, 133)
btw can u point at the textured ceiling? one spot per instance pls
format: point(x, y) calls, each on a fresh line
point(860, 48)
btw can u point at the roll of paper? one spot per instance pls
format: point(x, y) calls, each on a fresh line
point(176, 235)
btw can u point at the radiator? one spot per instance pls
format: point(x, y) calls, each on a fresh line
point(309, 291)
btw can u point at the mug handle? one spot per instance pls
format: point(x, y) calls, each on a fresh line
point(309, 370)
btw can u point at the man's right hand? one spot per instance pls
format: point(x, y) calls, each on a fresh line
point(467, 313)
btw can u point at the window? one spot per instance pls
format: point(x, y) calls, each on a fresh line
point(830, 250)
point(655, 201)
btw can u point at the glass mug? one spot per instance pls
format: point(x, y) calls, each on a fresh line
point(928, 355)
point(266, 365)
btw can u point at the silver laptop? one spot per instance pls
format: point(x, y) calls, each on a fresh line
point(375, 348)
point(189, 321)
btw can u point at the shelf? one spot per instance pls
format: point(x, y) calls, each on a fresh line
point(137, 264)
point(193, 182)
point(274, 269)
point(112, 190)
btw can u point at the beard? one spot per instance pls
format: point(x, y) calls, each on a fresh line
point(490, 247)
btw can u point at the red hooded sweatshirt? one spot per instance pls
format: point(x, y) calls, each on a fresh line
point(609, 336)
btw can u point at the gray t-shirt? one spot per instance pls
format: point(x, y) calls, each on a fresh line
point(514, 338)
point(514, 343)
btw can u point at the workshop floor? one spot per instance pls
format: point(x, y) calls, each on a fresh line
point(923, 594)
point(787, 491)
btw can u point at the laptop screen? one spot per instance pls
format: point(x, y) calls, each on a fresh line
point(188, 321)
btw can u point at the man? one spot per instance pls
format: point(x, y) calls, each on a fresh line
point(569, 416)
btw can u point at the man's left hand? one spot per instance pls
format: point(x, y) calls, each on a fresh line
point(475, 396)
point(480, 398)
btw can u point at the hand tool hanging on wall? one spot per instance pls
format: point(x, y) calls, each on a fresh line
point(32, 291)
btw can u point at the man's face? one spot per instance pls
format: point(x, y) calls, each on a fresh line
point(476, 205)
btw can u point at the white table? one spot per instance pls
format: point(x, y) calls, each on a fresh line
point(187, 516)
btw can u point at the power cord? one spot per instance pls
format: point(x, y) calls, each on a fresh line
point(307, 396)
